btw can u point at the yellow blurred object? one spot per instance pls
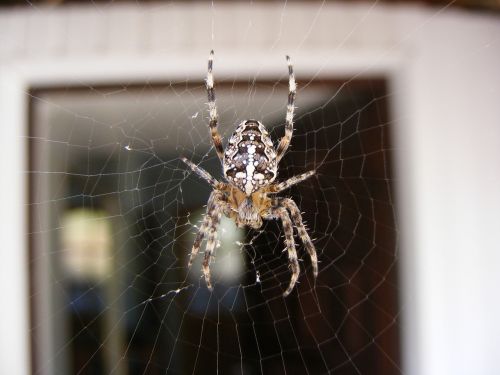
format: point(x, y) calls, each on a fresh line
point(86, 245)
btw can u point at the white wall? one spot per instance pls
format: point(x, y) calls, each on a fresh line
point(445, 82)
point(14, 313)
point(452, 195)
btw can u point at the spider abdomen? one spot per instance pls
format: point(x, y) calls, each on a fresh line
point(250, 158)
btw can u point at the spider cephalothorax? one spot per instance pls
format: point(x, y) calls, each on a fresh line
point(250, 165)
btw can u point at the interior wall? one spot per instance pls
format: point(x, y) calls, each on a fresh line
point(443, 68)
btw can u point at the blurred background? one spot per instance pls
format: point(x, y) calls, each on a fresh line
point(397, 112)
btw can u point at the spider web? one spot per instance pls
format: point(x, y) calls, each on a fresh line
point(138, 185)
point(114, 215)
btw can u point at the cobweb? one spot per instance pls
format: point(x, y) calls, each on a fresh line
point(114, 213)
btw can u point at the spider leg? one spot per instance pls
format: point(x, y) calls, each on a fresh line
point(292, 91)
point(290, 205)
point(207, 221)
point(215, 214)
point(212, 109)
point(215, 207)
point(199, 238)
point(293, 262)
point(202, 173)
point(276, 188)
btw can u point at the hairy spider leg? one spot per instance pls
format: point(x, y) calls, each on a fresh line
point(218, 205)
point(212, 110)
point(215, 216)
point(215, 207)
point(292, 92)
point(206, 224)
point(291, 206)
point(282, 213)
point(202, 173)
point(199, 238)
point(276, 188)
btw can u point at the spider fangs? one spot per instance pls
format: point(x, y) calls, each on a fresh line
point(250, 165)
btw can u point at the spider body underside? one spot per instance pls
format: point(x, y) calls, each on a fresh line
point(250, 165)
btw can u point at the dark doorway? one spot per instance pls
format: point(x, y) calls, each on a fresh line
point(113, 155)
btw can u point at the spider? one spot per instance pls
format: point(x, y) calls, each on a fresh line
point(250, 165)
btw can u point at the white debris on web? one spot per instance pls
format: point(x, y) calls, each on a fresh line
point(257, 277)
